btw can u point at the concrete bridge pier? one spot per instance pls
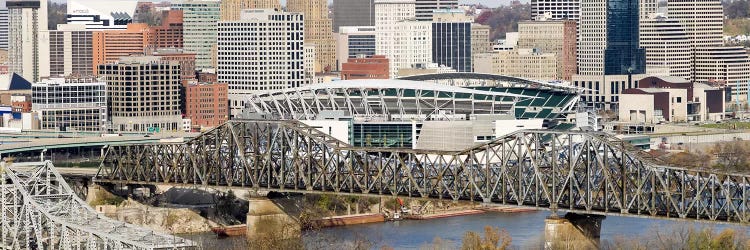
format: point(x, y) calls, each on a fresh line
point(268, 222)
point(573, 231)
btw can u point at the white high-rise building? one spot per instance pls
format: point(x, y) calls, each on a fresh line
point(3, 26)
point(26, 19)
point(703, 20)
point(199, 20)
point(592, 38)
point(262, 51)
point(101, 15)
point(425, 8)
point(647, 8)
point(668, 50)
point(404, 41)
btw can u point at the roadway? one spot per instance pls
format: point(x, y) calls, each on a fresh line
point(16, 146)
point(78, 172)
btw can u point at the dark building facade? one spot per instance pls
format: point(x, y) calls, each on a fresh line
point(353, 13)
point(623, 54)
point(361, 45)
point(451, 45)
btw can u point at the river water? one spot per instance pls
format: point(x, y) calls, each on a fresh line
point(526, 230)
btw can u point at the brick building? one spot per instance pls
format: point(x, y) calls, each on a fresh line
point(207, 104)
point(207, 77)
point(111, 45)
point(186, 61)
point(374, 67)
point(169, 34)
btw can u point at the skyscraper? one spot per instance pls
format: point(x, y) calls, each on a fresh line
point(667, 46)
point(230, 9)
point(608, 42)
point(270, 47)
point(3, 26)
point(318, 31)
point(70, 51)
point(623, 54)
point(703, 20)
point(26, 19)
point(592, 38)
point(425, 8)
point(353, 13)
point(200, 18)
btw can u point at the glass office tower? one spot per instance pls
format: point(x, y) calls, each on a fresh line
point(623, 54)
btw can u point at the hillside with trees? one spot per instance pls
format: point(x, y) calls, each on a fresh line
point(504, 18)
point(737, 15)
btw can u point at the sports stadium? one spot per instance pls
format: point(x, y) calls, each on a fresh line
point(439, 111)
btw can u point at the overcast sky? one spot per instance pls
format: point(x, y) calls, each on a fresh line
point(490, 3)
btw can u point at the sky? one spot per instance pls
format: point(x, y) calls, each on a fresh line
point(490, 3)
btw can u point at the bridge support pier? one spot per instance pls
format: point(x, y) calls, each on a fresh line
point(573, 231)
point(267, 222)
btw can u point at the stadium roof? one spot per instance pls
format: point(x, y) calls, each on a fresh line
point(392, 84)
point(403, 100)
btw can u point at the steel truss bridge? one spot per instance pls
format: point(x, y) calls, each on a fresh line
point(40, 211)
point(580, 172)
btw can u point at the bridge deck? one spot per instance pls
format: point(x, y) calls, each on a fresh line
point(559, 170)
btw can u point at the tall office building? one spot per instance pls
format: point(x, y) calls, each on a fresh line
point(608, 41)
point(406, 43)
point(647, 8)
point(318, 32)
point(3, 26)
point(270, 46)
point(623, 54)
point(667, 45)
point(592, 38)
point(156, 104)
point(353, 13)
point(703, 20)
point(231, 9)
point(71, 51)
point(451, 39)
point(352, 41)
point(101, 15)
point(200, 18)
point(425, 8)
point(26, 19)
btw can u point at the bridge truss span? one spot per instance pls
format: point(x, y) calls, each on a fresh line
point(39, 210)
point(575, 171)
